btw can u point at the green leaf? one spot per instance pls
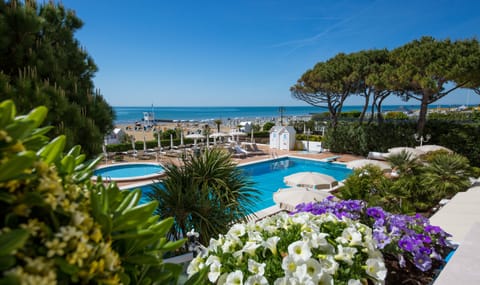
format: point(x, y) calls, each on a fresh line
point(65, 266)
point(33, 199)
point(79, 159)
point(52, 151)
point(7, 113)
point(10, 280)
point(41, 131)
point(36, 116)
point(68, 164)
point(13, 240)
point(6, 262)
point(143, 259)
point(130, 201)
point(7, 198)
point(169, 246)
point(75, 151)
point(19, 129)
point(162, 227)
point(15, 166)
point(135, 234)
point(134, 217)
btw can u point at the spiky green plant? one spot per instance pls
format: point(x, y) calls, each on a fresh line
point(57, 227)
point(207, 193)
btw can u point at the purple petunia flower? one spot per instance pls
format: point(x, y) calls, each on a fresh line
point(381, 238)
point(407, 237)
point(406, 243)
point(423, 262)
point(376, 213)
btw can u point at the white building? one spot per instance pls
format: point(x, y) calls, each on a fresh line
point(115, 137)
point(245, 127)
point(282, 137)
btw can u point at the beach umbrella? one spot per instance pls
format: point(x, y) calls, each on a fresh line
point(171, 141)
point(359, 163)
point(432, 147)
point(309, 179)
point(289, 198)
point(133, 144)
point(195, 137)
point(237, 134)
point(144, 142)
point(218, 135)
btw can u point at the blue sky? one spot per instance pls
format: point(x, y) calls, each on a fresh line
point(250, 52)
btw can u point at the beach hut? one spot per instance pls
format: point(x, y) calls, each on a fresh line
point(282, 137)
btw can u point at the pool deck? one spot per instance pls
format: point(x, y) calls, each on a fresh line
point(269, 154)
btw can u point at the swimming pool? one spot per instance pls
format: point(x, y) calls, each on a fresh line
point(129, 171)
point(268, 176)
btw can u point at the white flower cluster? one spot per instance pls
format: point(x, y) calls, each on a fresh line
point(293, 249)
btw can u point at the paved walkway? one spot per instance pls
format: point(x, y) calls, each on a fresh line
point(461, 218)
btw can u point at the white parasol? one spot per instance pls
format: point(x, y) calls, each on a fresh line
point(311, 180)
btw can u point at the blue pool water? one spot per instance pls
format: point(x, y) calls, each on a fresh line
point(129, 170)
point(268, 176)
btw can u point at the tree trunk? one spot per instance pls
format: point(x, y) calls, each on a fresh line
point(422, 116)
point(365, 107)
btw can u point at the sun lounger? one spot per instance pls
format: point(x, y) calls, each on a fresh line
point(249, 148)
point(237, 153)
point(332, 158)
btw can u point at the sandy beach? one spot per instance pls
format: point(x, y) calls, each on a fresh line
point(163, 126)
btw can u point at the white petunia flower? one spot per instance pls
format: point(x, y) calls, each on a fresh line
point(228, 246)
point(255, 236)
point(329, 265)
point(256, 280)
point(299, 250)
point(354, 282)
point(256, 267)
point(235, 278)
point(346, 254)
point(250, 247)
point(314, 269)
point(211, 259)
point(289, 265)
point(376, 268)
point(286, 281)
point(351, 237)
point(236, 231)
point(195, 265)
point(271, 244)
point(215, 270)
point(318, 240)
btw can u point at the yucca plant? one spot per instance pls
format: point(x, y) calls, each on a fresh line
point(207, 193)
point(446, 175)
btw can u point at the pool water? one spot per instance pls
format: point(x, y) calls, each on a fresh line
point(129, 170)
point(268, 176)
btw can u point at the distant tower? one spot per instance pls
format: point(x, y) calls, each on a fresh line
point(281, 110)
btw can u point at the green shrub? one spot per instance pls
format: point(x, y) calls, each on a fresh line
point(352, 137)
point(59, 227)
point(267, 126)
point(396, 116)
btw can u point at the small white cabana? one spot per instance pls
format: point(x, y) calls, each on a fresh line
point(282, 137)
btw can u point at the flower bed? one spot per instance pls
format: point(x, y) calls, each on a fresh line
point(414, 251)
point(328, 242)
point(292, 249)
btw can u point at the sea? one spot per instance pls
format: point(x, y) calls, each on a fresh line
point(131, 115)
